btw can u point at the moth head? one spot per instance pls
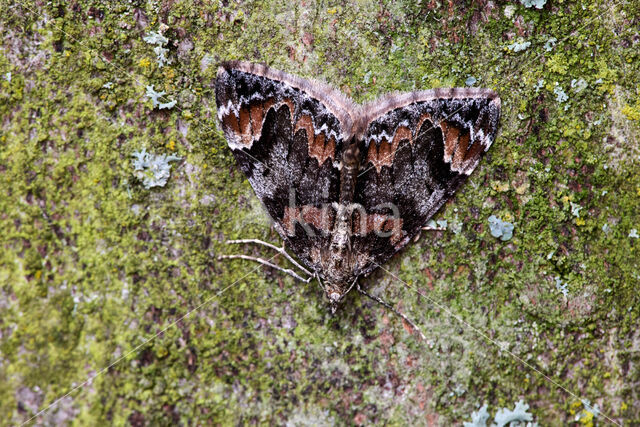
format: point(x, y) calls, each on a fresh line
point(334, 300)
point(336, 292)
point(334, 295)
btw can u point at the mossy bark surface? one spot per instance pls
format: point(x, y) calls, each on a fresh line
point(114, 306)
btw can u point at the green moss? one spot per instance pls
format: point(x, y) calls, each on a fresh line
point(93, 265)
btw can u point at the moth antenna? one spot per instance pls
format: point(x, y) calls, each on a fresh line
point(280, 250)
point(350, 287)
point(268, 264)
point(390, 307)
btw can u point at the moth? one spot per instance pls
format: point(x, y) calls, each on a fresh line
point(347, 185)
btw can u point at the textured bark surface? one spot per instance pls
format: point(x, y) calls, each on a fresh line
point(98, 270)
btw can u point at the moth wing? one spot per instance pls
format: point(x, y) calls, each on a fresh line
point(287, 135)
point(418, 148)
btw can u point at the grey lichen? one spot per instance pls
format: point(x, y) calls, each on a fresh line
point(153, 170)
point(519, 416)
point(500, 229)
point(155, 98)
point(479, 418)
point(161, 52)
point(516, 417)
point(538, 4)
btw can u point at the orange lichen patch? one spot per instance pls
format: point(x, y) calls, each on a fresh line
point(320, 218)
point(245, 125)
point(382, 225)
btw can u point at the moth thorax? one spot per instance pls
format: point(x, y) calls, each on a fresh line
point(351, 156)
point(349, 172)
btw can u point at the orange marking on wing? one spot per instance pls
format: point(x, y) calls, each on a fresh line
point(383, 153)
point(329, 149)
point(393, 225)
point(474, 151)
point(231, 121)
point(380, 155)
point(320, 218)
point(232, 128)
point(257, 115)
point(472, 154)
point(402, 133)
point(450, 135)
point(372, 154)
point(312, 215)
point(319, 149)
point(305, 122)
point(316, 148)
point(245, 125)
point(267, 105)
point(461, 151)
point(289, 104)
point(429, 128)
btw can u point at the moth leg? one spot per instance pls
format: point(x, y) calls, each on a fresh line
point(390, 307)
point(269, 264)
point(274, 247)
point(321, 284)
point(350, 287)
